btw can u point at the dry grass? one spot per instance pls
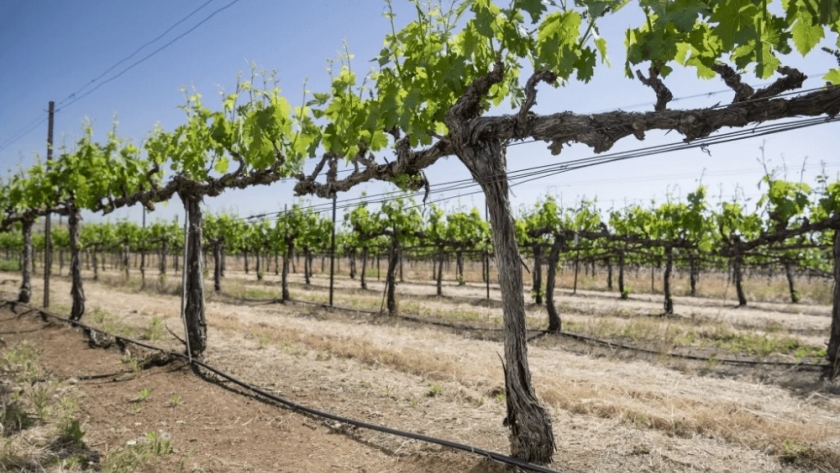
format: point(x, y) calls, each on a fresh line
point(598, 392)
point(39, 418)
point(679, 415)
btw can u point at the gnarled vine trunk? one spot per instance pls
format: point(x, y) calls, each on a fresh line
point(364, 268)
point(608, 264)
point(833, 352)
point(391, 278)
point(794, 297)
point(737, 262)
point(666, 283)
point(217, 266)
point(537, 276)
point(622, 291)
point(162, 260)
point(531, 436)
point(554, 323)
point(194, 277)
point(95, 263)
point(459, 266)
point(77, 292)
point(143, 267)
point(127, 260)
point(25, 293)
point(692, 274)
point(284, 278)
point(440, 271)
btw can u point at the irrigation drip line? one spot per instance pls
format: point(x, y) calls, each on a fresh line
point(301, 408)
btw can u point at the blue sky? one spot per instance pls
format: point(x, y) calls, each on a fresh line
point(50, 49)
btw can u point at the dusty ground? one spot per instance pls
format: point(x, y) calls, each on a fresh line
point(212, 427)
point(611, 413)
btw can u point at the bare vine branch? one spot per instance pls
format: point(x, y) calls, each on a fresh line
point(663, 94)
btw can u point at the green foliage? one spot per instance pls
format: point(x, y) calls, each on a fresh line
point(698, 34)
point(22, 360)
point(70, 433)
point(174, 400)
point(154, 331)
point(138, 453)
point(13, 418)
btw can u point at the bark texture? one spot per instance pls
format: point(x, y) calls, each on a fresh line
point(531, 436)
point(77, 291)
point(666, 283)
point(440, 272)
point(284, 278)
point(537, 287)
point(621, 288)
point(692, 274)
point(25, 293)
point(194, 308)
point(391, 278)
point(217, 267)
point(833, 352)
point(364, 268)
point(794, 297)
point(737, 277)
point(554, 322)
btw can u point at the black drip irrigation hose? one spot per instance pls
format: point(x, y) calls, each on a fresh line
point(582, 338)
point(508, 460)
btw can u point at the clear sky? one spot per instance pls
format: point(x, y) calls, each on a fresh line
point(52, 49)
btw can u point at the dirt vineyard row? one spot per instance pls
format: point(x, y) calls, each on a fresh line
point(663, 415)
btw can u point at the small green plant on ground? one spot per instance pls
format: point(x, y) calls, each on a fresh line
point(137, 453)
point(22, 360)
point(13, 418)
point(434, 390)
point(132, 362)
point(154, 331)
point(791, 451)
point(143, 395)
point(174, 400)
point(30, 400)
point(70, 433)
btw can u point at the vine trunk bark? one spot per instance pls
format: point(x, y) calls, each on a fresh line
point(692, 274)
point(833, 352)
point(537, 286)
point(77, 291)
point(608, 264)
point(737, 262)
point(284, 279)
point(25, 293)
point(666, 283)
point(531, 435)
point(391, 279)
point(364, 268)
point(217, 267)
point(554, 322)
point(621, 289)
point(440, 272)
point(794, 297)
point(194, 310)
